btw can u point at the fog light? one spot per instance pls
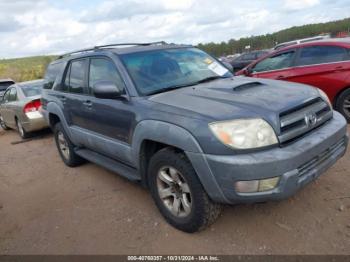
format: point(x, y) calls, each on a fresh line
point(247, 186)
point(256, 185)
point(268, 184)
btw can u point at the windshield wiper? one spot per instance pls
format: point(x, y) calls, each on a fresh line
point(170, 88)
point(210, 78)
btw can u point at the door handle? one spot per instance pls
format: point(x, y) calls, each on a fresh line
point(280, 77)
point(62, 98)
point(339, 68)
point(88, 103)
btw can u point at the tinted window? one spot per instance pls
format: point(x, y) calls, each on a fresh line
point(13, 94)
point(321, 54)
point(75, 77)
point(52, 73)
point(31, 90)
point(104, 70)
point(250, 56)
point(276, 62)
point(4, 85)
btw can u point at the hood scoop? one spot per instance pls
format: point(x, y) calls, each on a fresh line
point(246, 86)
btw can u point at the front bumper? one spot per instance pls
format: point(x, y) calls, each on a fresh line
point(296, 164)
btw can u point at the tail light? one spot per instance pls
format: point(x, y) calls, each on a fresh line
point(32, 106)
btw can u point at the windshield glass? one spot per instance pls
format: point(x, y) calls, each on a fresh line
point(32, 90)
point(154, 71)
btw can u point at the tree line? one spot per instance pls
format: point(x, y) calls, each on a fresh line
point(270, 40)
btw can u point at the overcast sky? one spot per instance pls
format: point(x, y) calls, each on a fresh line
point(40, 27)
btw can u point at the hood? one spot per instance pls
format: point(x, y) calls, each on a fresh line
point(238, 97)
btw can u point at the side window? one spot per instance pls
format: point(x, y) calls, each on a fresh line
point(7, 96)
point(75, 77)
point(249, 56)
point(321, 54)
point(52, 73)
point(279, 61)
point(13, 94)
point(102, 69)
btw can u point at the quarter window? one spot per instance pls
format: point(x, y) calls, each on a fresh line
point(102, 69)
point(13, 95)
point(321, 54)
point(51, 74)
point(279, 61)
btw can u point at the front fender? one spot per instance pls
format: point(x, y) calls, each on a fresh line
point(178, 137)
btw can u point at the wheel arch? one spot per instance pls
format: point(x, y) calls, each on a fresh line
point(150, 136)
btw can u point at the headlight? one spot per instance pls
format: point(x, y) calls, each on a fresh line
point(324, 96)
point(244, 133)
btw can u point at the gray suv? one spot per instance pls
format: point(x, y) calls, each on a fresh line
point(175, 119)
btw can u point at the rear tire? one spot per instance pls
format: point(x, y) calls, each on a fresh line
point(2, 124)
point(343, 104)
point(22, 132)
point(184, 202)
point(66, 148)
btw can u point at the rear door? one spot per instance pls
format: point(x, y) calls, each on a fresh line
point(277, 66)
point(11, 108)
point(323, 66)
point(76, 85)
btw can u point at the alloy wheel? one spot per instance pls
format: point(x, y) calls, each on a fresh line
point(63, 145)
point(346, 106)
point(174, 191)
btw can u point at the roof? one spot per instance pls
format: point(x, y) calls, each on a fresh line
point(330, 41)
point(6, 80)
point(120, 49)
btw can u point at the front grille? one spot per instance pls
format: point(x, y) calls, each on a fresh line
point(318, 160)
point(298, 121)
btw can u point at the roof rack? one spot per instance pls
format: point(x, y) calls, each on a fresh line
point(109, 46)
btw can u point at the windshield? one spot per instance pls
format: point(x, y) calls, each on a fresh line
point(155, 71)
point(32, 90)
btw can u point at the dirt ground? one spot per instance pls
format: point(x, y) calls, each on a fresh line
point(48, 208)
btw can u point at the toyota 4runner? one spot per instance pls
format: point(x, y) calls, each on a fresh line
point(175, 119)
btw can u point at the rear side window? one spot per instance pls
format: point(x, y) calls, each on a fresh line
point(75, 77)
point(279, 61)
point(321, 54)
point(102, 69)
point(51, 75)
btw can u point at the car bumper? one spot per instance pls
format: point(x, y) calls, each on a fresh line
point(34, 122)
point(296, 164)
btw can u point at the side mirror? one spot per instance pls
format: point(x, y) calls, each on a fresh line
point(247, 71)
point(106, 90)
point(228, 66)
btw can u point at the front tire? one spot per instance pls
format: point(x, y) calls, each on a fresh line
point(65, 147)
point(178, 193)
point(343, 104)
point(2, 124)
